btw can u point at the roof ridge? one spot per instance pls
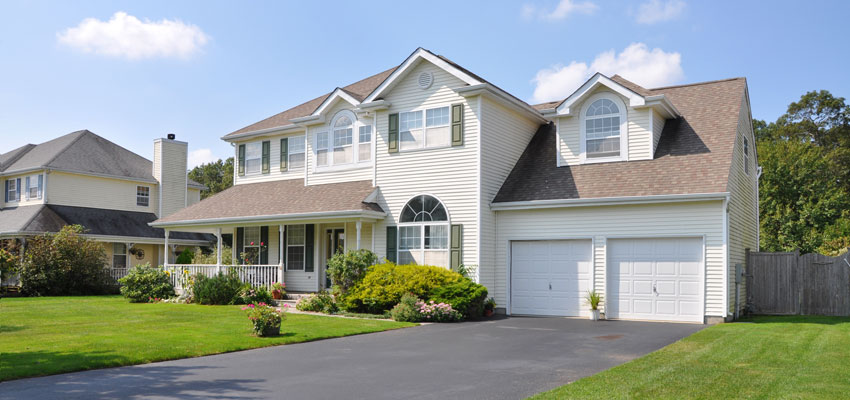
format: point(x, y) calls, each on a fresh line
point(25, 149)
point(699, 83)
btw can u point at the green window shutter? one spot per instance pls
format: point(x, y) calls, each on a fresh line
point(240, 237)
point(284, 153)
point(264, 245)
point(266, 151)
point(392, 141)
point(456, 247)
point(392, 243)
point(308, 247)
point(457, 124)
point(241, 159)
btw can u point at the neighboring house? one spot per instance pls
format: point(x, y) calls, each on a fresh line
point(648, 196)
point(82, 178)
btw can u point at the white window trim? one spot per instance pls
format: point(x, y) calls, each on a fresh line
point(355, 163)
point(148, 197)
point(289, 153)
point(126, 259)
point(260, 170)
point(304, 246)
point(33, 180)
point(624, 130)
point(13, 192)
point(246, 245)
point(421, 225)
point(425, 146)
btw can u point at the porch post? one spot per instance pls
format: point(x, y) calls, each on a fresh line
point(165, 256)
point(218, 251)
point(280, 229)
point(359, 225)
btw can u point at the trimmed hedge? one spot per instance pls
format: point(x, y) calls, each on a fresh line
point(383, 286)
point(144, 283)
point(219, 290)
point(466, 297)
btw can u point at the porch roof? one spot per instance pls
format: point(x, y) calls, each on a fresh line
point(280, 199)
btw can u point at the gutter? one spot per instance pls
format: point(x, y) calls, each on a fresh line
point(269, 218)
point(607, 201)
point(282, 129)
point(499, 94)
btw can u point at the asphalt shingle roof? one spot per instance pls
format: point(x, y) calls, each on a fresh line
point(694, 154)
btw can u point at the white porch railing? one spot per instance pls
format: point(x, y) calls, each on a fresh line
point(255, 275)
point(118, 273)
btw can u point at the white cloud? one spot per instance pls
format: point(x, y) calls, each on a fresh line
point(201, 156)
point(657, 11)
point(637, 63)
point(126, 36)
point(561, 11)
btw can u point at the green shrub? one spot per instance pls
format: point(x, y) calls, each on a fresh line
point(406, 310)
point(65, 263)
point(212, 258)
point(220, 289)
point(384, 284)
point(253, 295)
point(144, 283)
point(9, 264)
point(321, 302)
point(185, 257)
point(466, 297)
point(346, 269)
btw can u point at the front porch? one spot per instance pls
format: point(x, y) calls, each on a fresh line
point(294, 252)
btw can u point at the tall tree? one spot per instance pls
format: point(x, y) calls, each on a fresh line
point(805, 187)
point(217, 176)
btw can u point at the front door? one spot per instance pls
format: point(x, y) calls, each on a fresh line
point(334, 243)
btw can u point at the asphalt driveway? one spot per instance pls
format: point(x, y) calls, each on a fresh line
point(507, 358)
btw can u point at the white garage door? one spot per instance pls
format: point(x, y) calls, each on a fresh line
point(656, 279)
point(550, 277)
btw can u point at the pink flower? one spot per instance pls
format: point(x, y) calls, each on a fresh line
point(252, 243)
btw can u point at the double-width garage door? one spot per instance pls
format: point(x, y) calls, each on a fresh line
point(550, 277)
point(656, 279)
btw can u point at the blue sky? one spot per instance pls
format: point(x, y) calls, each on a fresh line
point(202, 69)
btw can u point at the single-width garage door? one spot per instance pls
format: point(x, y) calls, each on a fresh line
point(550, 277)
point(656, 279)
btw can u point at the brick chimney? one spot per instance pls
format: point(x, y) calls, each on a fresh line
point(170, 159)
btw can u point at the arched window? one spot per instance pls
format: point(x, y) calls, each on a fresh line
point(342, 131)
point(423, 232)
point(603, 123)
point(345, 141)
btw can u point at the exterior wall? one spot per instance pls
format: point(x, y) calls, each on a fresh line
point(504, 136)
point(96, 192)
point(24, 201)
point(743, 205)
point(640, 134)
point(169, 160)
point(151, 255)
point(194, 196)
point(657, 127)
point(697, 219)
point(274, 161)
point(451, 174)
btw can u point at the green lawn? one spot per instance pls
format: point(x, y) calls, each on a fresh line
point(49, 335)
point(772, 357)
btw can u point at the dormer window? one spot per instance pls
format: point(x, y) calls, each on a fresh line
point(347, 143)
point(342, 132)
point(603, 129)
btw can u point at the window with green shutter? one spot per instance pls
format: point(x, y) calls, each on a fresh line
point(284, 150)
point(266, 155)
point(241, 159)
point(457, 124)
point(392, 140)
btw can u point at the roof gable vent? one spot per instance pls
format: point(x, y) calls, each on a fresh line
point(425, 80)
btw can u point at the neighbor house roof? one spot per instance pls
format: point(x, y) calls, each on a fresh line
point(43, 218)
point(693, 156)
point(278, 199)
point(83, 152)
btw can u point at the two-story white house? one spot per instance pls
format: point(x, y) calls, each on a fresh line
point(82, 178)
point(648, 196)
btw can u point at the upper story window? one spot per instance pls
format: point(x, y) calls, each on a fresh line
point(143, 196)
point(12, 190)
point(253, 158)
point(296, 153)
point(34, 187)
point(423, 232)
point(435, 132)
point(602, 129)
point(348, 142)
point(746, 156)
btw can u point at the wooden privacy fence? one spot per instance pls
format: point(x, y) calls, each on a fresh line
point(791, 284)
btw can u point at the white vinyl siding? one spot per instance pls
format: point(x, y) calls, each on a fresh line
point(450, 173)
point(657, 127)
point(172, 155)
point(696, 219)
point(640, 135)
point(506, 135)
point(743, 205)
point(96, 192)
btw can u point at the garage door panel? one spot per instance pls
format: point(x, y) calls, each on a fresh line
point(550, 277)
point(673, 267)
